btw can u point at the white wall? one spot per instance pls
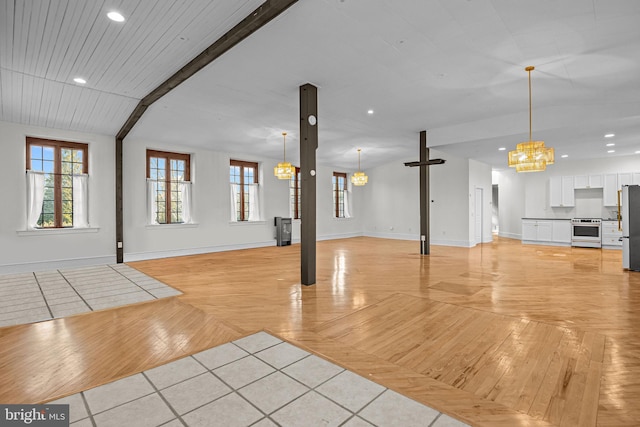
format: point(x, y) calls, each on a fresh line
point(393, 201)
point(213, 231)
point(511, 202)
point(526, 195)
point(386, 207)
point(47, 249)
point(480, 177)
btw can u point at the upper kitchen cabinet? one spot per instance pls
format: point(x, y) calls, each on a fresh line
point(625, 179)
point(610, 190)
point(588, 181)
point(614, 182)
point(561, 191)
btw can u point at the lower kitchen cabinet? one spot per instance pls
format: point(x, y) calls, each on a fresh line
point(611, 235)
point(546, 231)
point(561, 231)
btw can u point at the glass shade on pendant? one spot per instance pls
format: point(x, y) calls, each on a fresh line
point(531, 156)
point(359, 178)
point(284, 170)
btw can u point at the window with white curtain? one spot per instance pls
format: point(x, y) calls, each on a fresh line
point(245, 192)
point(295, 195)
point(340, 196)
point(57, 184)
point(168, 187)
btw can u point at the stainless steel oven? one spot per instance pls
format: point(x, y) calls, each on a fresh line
point(586, 232)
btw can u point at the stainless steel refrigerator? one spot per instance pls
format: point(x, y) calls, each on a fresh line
point(630, 211)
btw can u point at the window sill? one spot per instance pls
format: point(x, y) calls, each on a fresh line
point(56, 231)
point(166, 226)
point(247, 222)
point(342, 219)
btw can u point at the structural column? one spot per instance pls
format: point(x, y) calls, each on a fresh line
point(308, 147)
point(119, 213)
point(424, 194)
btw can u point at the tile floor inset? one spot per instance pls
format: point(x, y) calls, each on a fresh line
point(38, 296)
point(230, 385)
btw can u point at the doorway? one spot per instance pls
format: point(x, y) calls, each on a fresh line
point(495, 219)
point(478, 217)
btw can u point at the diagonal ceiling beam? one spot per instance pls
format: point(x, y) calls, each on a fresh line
point(253, 22)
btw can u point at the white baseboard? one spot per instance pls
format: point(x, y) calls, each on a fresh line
point(60, 264)
point(397, 236)
point(141, 256)
point(456, 243)
point(340, 236)
point(510, 235)
point(538, 242)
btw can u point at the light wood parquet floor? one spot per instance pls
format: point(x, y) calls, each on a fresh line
point(502, 334)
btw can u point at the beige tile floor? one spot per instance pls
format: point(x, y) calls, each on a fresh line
point(38, 296)
point(257, 381)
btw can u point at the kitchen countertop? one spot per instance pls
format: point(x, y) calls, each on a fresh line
point(567, 219)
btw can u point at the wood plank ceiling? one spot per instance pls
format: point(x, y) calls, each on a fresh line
point(46, 44)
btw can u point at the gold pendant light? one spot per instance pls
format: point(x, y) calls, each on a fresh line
point(359, 178)
point(531, 156)
point(284, 170)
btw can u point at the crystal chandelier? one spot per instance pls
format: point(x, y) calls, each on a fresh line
point(284, 170)
point(359, 178)
point(531, 156)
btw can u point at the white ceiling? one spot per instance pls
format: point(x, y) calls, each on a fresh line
point(452, 67)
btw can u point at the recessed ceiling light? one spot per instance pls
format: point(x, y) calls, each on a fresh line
point(611, 144)
point(79, 80)
point(564, 156)
point(611, 151)
point(370, 112)
point(637, 152)
point(115, 16)
point(502, 148)
point(610, 135)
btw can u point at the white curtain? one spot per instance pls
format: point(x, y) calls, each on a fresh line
point(234, 201)
point(152, 208)
point(254, 203)
point(80, 201)
point(185, 190)
point(35, 197)
point(347, 201)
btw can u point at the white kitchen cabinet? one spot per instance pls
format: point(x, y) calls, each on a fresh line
point(625, 179)
point(561, 231)
point(588, 181)
point(561, 191)
point(635, 178)
point(611, 235)
point(610, 190)
point(535, 230)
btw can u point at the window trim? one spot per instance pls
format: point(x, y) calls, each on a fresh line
point(169, 155)
point(336, 193)
point(242, 164)
point(296, 194)
point(57, 169)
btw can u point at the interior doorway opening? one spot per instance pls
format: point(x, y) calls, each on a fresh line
point(495, 218)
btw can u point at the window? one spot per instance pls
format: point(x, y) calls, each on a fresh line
point(169, 179)
point(339, 188)
point(244, 191)
point(57, 197)
point(294, 194)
